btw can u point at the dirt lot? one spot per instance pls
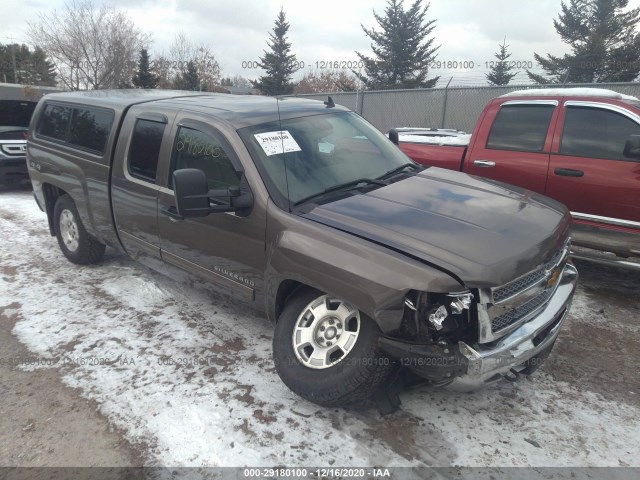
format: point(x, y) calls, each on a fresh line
point(115, 364)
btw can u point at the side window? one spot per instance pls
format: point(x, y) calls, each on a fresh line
point(54, 122)
point(195, 149)
point(142, 160)
point(596, 133)
point(520, 127)
point(90, 128)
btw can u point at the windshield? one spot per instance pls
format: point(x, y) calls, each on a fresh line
point(322, 152)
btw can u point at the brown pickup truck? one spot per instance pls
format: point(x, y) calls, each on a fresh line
point(580, 146)
point(363, 259)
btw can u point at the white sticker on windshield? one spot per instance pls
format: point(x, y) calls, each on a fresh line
point(277, 142)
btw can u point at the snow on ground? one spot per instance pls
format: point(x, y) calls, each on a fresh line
point(187, 374)
point(459, 141)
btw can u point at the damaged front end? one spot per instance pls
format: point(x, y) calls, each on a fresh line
point(432, 326)
point(471, 338)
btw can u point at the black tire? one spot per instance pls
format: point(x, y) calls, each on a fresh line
point(351, 380)
point(76, 244)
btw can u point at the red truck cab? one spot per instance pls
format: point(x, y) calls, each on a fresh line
point(578, 146)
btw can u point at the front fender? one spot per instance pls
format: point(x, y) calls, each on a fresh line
point(371, 277)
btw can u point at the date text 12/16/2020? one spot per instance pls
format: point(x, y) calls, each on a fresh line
point(359, 64)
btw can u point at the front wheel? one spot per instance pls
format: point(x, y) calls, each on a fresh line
point(75, 242)
point(326, 350)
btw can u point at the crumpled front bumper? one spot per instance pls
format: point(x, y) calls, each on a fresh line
point(465, 368)
point(515, 351)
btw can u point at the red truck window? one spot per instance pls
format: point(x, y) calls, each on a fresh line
point(520, 127)
point(596, 133)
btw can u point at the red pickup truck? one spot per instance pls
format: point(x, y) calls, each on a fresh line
point(580, 146)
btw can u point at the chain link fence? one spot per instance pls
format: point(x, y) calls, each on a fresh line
point(455, 107)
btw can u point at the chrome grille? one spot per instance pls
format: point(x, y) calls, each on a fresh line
point(520, 312)
point(504, 308)
point(517, 286)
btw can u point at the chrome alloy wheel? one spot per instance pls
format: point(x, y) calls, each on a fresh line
point(325, 332)
point(69, 230)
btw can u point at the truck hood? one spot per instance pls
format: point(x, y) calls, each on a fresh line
point(483, 233)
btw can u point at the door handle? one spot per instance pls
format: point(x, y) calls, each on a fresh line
point(484, 163)
point(172, 213)
point(568, 172)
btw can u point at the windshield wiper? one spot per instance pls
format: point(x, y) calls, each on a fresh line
point(398, 169)
point(343, 186)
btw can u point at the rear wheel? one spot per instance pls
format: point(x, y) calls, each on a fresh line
point(76, 244)
point(326, 350)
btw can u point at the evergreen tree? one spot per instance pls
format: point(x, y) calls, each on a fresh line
point(144, 77)
point(279, 62)
point(604, 44)
point(189, 80)
point(501, 71)
point(31, 67)
point(402, 48)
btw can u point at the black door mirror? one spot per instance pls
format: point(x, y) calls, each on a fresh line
point(393, 136)
point(192, 192)
point(194, 199)
point(632, 147)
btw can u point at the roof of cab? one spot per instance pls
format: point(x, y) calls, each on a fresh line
point(238, 110)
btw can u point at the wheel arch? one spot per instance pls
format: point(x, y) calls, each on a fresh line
point(51, 194)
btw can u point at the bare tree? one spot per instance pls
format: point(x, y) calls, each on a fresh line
point(327, 81)
point(92, 47)
point(174, 66)
point(236, 81)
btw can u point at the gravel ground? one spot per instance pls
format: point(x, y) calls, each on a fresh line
point(137, 368)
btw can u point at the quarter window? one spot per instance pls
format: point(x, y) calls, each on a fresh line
point(195, 149)
point(596, 133)
point(520, 127)
point(145, 149)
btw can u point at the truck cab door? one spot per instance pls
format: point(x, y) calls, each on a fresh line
point(134, 183)
point(223, 248)
point(589, 171)
point(517, 146)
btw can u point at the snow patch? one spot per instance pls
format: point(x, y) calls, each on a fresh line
point(570, 92)
point(189, 377)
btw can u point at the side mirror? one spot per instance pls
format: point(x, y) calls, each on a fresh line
point(632, 147)
point(192, 192)
point(193, 197)
point(393, 136)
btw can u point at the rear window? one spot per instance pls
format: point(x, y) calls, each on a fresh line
point(81, 127)
point(520, 127)
point(15, 115)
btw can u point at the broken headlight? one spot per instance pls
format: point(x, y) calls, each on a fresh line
point(437, 314)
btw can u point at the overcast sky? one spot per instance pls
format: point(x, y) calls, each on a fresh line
point(326, 30)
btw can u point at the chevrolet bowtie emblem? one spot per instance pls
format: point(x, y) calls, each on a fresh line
point(553, 277)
